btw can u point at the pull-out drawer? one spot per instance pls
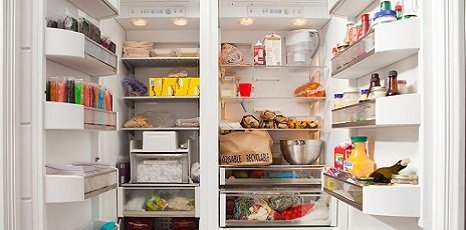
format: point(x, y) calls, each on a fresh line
point(158, 201)
point(286, 207)
point(271, 175)
point(159, 168)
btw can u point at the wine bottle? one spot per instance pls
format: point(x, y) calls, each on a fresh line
point(384, 174)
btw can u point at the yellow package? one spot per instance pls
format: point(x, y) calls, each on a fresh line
point(182, 86)
point(169, 86)
point(155, 86)
point(194, 87)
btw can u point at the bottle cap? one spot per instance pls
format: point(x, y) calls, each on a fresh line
point(385, 13)
point(338, 95)
point(375, 75)
point(364, 91)
point(258, 43)
point(358, 139)
point(365, 17)
point(392, 73)
point(405, 161)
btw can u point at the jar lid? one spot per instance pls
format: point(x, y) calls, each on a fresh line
point(338, 95)
point(402, 82)
point(358, 139)
point(404, 176)
point(364, 91)
point(384, 13)
point(351, 90)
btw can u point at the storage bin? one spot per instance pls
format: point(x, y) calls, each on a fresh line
point(160, 141)
point(159, 168)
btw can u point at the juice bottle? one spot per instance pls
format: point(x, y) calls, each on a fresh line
point(358, 163)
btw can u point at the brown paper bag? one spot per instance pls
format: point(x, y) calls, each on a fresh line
point(246, 148)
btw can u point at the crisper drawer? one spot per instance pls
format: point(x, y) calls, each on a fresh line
point(241, 208)
point(271, 175)
point(159, 168)
point(158, 201)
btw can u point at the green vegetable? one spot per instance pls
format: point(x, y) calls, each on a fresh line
point(281, 203)
point(241, 210)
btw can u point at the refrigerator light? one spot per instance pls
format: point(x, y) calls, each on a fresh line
point(246, 21)
point(180, 21)
point(139, 22)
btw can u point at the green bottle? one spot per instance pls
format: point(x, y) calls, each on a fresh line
point(384, 174)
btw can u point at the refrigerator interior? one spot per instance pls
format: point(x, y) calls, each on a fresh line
point(274, 86)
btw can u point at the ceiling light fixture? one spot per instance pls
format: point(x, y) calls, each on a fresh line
point(180, 21)
point(139, 22)
point(246, 21)
point(299, 22)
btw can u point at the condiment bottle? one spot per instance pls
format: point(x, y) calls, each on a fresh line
point(392, 83)
point(365, 24)
point(375, 81)
point(349, 32)
point(358, 163)
point(402, 88)
point(384, 174)
point(259, 54)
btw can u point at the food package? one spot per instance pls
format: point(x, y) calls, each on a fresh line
point(138, 122)
point(168, 88)
point(281, 203)
point(310, 89)
point(136, 223)
point(187, 52)
point(260, 210)
point(177, 73)
point(281, 122)
point(246, 148)
point(182, 86)
point(181, 203)
point(303, 123)
point(184, 223)
point(138, 44)
point(137, 49)
point(163, 53)
point(267, 124)
point(155, 86)
point(155, 203)
point(230, 55)
point(194, 86)
point(250, 122)
point(134, 87)
point(268, 115)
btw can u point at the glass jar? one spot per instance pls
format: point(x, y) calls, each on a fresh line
point(337, 100)
point(350, 96)
point(402, 88)
point(228, 87)
point(378, 91)
point(404, 179)
point(364, 95)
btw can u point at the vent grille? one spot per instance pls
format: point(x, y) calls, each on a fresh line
point(279, 2)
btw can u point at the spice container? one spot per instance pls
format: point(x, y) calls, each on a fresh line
point(338, 100)
point(385, 16)
point(402, 88)
point(404, 179)
point(378, 91)
point(350, 96)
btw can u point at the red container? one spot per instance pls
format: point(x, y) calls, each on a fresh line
point(340, 154)
point(245, 89)
point(365, 24)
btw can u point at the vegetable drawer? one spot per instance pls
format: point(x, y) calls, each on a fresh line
point(285, 207)
point(270, 175)
point(159, 168)
point(158, 202)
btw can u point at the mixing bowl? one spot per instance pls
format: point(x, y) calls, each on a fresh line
point(300, 152)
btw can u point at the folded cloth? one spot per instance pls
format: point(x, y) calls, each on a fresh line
point(192, 122)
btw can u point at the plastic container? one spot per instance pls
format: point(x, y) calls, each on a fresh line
point(385, 16)
point(338, 100)
point(228, 87)
point(187, 52)
point(163, 53)
point(364, 95)
point(245, 89)
point(160, 141)
point(378, 91)
point(402, 88)
point(359, 163)
point(159, 168)
point(350, 96)
point(301, 46)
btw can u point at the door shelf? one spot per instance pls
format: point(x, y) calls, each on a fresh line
point(67, 116)
point(376, 50)
point(401, 110)
point(72, 188)
point(297, 99)
point(271, 175)
point(320, 214)
point(182, 201)
point(251, 66)
point(274, 130)
point(162, 129)
point(98, 8)
point(385, 200)
point(78, 52)
point(349, 8)
point(135, 185)
point(161, 61)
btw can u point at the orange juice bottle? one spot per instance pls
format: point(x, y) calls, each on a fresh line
point(358, 163)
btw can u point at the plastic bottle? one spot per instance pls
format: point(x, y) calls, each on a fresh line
point(259, 54)
point(358, 163)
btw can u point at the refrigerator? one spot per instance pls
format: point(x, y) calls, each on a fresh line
point(162, 84)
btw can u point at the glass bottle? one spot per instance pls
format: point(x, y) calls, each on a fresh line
point(392, 83)
point(374, 82)
point(384, 174)
point(359, 163)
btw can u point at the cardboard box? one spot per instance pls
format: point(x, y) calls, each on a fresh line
point(182, 87)
point(194, 87)
point(169, 86)
point(155, 86)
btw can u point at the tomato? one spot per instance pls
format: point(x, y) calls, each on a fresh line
point(257, 174)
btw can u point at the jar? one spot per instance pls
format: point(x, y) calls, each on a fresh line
point(364, 95)
point(350, 96)
point(385, 16)
point(402, 88)
point(338, 100)
point(228, 87)
point(378, 91)
point(404, 179)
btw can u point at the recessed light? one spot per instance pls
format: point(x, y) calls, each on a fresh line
point(246, 21)
point(139, 22)
point(299, 22)
point(180, 21)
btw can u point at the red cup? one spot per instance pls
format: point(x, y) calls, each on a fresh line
point(245, 89)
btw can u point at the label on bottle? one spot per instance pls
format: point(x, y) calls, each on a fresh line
point(339, 158)
point(348, 166)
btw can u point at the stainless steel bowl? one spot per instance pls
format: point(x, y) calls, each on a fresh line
point(300, 152)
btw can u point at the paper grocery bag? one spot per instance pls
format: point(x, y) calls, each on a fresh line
point(246, 148)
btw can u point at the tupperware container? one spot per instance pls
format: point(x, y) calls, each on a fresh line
point(301, 46)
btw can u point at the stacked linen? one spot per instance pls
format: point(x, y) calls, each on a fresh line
point(137, 49)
